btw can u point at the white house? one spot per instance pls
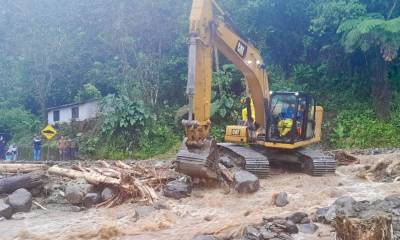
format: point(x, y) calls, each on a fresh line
point(75, 111)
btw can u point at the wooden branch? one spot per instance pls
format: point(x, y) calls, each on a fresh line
point(104, 164)
point(22, 168)
point(122, 165)
point(226, 173)
point(27, 181)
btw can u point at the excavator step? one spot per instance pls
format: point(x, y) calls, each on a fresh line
point(252, 160)
point(316, 163)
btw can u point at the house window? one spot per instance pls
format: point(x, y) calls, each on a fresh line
point(75, 112)
point(56, 116)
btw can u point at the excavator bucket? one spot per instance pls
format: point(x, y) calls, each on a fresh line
point(198, 161)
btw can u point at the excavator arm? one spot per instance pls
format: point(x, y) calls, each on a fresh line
point(208, 30)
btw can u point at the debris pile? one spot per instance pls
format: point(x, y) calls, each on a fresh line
point(386, 169)
point(367, 220)
point(118, 183)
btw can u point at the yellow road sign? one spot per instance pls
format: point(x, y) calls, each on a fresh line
point(49, 132)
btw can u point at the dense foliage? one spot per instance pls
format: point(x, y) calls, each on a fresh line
point(344, 52)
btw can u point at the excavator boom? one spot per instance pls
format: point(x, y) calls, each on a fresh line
point(283, 121)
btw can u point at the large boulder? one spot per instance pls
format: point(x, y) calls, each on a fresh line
point(5, 210)
point(246, 182)
point(344, 206)
point(91, 199)
point(20, 200)
point(179, 188)
point(76, 191)
point(281, 199)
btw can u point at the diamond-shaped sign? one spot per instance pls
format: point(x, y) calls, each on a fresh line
point(49, 132)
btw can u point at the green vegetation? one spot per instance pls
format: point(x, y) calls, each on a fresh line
point(344, 52)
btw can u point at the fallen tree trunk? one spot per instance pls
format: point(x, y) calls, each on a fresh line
point(91, 177)
point(27, 181)
point(375, 228)
point(22, 168)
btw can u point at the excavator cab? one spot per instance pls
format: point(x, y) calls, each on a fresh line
point(291, 117)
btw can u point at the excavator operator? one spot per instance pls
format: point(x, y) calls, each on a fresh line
point(285, 125)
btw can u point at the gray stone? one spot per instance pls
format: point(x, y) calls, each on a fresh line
point(75, 191)
point(345, 206)
point(297, 217)
point(267, 234)
point(308, 228)
point(251, 233)
point(284, 236)
point(319, 215)
point(178, 189)
point(107, 194)
point(91, 199)
point(246, 182)
point(20, 200)
point(281, 199)
point(5, 210)
point(204, 237)
point(291, 227)
point(226, 161)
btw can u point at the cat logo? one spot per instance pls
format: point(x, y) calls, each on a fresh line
point(235, 132)
point(241, 49)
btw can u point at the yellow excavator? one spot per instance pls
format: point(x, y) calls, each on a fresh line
point(276, 126)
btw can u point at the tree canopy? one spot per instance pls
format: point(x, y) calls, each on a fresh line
point(344, 52)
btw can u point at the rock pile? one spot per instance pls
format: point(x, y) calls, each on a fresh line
point(280, 228)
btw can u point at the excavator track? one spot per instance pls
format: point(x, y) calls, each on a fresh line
point(316, 163)
point(251, 160)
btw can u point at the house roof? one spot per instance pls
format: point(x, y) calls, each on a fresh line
point(70, 105)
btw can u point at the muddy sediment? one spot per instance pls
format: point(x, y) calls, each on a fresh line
point(206, 211)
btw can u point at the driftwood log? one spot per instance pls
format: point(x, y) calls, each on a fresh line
point(22, 168)
point(376, 228)
point(27, 181)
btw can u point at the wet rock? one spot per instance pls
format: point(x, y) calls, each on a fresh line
point(308, 228)
point(204, 237)
point(281, 199)
point(251, 233)
point(20, 200)
point(226, 161)
point(5, 210)
point(91, 199)
point(319, 215)
point(283, 236)
point(178, 189)
point(291, 227)
point(297, 217)
point(344, 206)
point(246, 182)
point(75, 191)
point(267, 234)
point(107, 194)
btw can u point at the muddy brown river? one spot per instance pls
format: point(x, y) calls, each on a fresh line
point(207, 211)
